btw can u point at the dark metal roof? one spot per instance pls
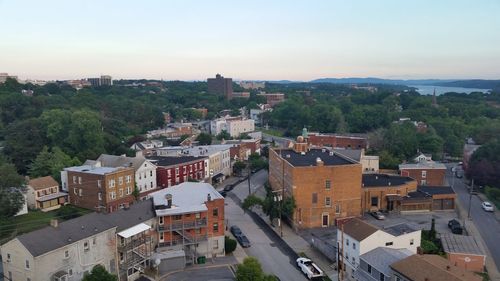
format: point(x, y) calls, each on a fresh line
point(434, 190)
point(381, 180)
point(359, 229)
point(173, 160)
point(50, 238)
point(309, 158)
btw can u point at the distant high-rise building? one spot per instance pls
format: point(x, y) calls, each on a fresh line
point(94, 82)
point(221, 86)
point(105, 80)
point(4, 76)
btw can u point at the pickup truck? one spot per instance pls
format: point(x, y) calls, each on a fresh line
point(309, 268)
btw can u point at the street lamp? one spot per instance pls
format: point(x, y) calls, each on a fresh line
point(279, 198)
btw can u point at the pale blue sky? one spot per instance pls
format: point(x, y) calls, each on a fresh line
point(297, 40)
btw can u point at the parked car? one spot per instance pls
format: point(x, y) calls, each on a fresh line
point(243, 240)
point(487, 206)
point(455, 226)
point(378, 215)
point(223, 193)
point(309, 269)
point(236, 231)
point(228, 187)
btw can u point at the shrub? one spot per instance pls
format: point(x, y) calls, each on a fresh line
point(229, 244)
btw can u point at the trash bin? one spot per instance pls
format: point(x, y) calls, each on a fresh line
point(202, 260)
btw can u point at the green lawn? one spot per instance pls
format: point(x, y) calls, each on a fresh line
point(9, 228)
point(272, 132)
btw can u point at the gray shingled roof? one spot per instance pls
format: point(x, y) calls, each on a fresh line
point(120, 161)
point(354, 154)
point(47, 239)
point(460, 244)
point(381, 258)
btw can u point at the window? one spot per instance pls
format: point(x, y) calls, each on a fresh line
point(424, 174)
point(121, 192)
point(150, 173)
point(176, 171)
point(94, 241)
point(8, 257)
point(27, 264)
point(315, 198)
point(10, 275)
point(120, 180)
point(423, 182)
point(128, 179)
point(328, 202)
point(347, 242)
point(86, 246)
point(354, 245)
point(398, 278)
point(129, 190)
point(412, 241)
point(197, 216)
point(374, 201)
point(151, 184)
point(216, 227)
point(79, 180)
point(197, 231)
point(161, 220)
point(369, 269)
point(66, 254)
point(216, 244)
point(111, 183)
point(80, 192)
point(381, 277)
point(328, 184)
point(337, 209)
point(98, 183)
point(99, 195)
point(74, 179)
point(177, 217)
point(215, 212)
point(112, 195)
point(121, 257)
point(388, 244)
point(70, 272)
point(75, 191)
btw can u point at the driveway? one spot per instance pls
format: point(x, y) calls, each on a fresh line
point(271, 252)
point(485, 222)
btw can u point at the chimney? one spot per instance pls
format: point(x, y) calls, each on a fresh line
point(319, 162)
point(209, 197)
point(169, 200)
point(54, 223)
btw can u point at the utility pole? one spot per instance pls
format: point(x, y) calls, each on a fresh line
point(470, 198)
point(249, 173)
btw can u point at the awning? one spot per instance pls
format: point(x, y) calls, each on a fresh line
point(393, 198)
point(52, 196)
point(134, 230)
point(219, 175)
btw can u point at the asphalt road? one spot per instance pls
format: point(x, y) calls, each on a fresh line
point(273, 253)
point(485, 222)
point(256, 180)
point(280, 141)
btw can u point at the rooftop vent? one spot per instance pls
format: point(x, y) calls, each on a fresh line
point(288, 156)
point(389, 184)
point(209, 197)
point(331, 153)
point(168, 197)
point(323, 150)
point(302, 153)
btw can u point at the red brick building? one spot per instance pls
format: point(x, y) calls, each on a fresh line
point(102, 189)
point(241, 149)
point(337, 141)
point(425, 172)
point(274, 98)
point(172, 170)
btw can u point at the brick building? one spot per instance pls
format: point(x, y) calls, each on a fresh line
point(190, 220)
point(104, 189)
point(425, 172)
point(326, 186)
point(242, 149)
point(337, 141)
point(463, 251)
point(273, 98)
point(220, 86)
point(384, 192)
point(172, 170)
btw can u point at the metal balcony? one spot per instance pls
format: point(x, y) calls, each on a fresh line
point(183, 225)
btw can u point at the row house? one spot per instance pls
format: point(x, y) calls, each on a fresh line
point(356, 237)
point(190, 220)
point(145, 148)
point(172, 170)
point(326, 185)
point(242, 149)
point(44, 194)
point(103, 189)
point(122, 242)
point(145, 171)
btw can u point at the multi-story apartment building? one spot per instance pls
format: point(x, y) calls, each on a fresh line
point(172, 170)
point(104, 80)
point(121, 242)
point(104, 189)
point(145, 171)
point(425, 172)
point(326, 185)
point(235, 126)
point(218, 165)
point(190, 219)
point(356, 237)
point(43, 193)
point(242, 149)
point(220, 86)
point(337, 141)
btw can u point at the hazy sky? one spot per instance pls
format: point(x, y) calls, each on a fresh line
point(297, 40)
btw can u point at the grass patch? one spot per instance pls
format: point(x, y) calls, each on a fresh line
point(33, 220)
point(493, 194)
point(272, 132)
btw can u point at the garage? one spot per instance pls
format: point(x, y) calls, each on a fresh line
point(443, 197)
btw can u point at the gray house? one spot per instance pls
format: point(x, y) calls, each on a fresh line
point(375, 264)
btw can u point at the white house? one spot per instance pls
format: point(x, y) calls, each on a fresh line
point(235, 126)
point(356, 237)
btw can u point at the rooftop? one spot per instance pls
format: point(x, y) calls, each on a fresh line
point(381, 258)
point(378, 180)
point(165, 161)
point(202, 150)
point(432, 268)
point(358, 229)
point(400, 229)
point(354, 154)
point(43, 182)
point(187, 197)
point(310, 158)
point(120, 161)
point(423, 165)
point(434, 190)
point(460, 244)
point(90, 169)
point(47, 239)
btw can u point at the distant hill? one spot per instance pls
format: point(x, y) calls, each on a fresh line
point(468, 83)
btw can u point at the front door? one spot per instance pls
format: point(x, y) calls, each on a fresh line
point(324, 222)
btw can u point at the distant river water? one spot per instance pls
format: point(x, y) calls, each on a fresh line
point(428, 90)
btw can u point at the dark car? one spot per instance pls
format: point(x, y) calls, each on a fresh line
point(455, 226)
point(228, 187)
point(378, 215)
point(243, 240)
point(236, 231)
point(223, 193)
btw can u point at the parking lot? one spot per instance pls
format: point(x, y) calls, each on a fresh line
point(419, 220)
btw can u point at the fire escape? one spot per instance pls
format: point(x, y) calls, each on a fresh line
point(134, 254)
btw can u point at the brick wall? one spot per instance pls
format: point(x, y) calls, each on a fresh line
point(432, 176)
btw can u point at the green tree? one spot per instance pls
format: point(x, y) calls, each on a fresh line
point(51, 163)
point(85, 137)
point(238, 167)
point(99, 273)
point(223, 135)
point(136, 193)
point(11, 188)
point(204, 139)
point(251, 270)
point(229, 244)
